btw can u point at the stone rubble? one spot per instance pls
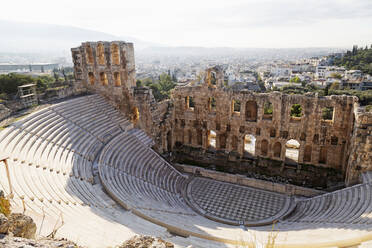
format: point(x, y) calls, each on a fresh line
point(140, 241)
point(11, 242)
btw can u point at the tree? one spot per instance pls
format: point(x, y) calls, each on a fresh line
point(336, 75)
point(326, 90)
point(268, 108)
point(138, 83)
point(357, 59)
point(296, 110)
point(296, 79)
point(55, 75)
point(335, 86)
point(327, 113)
point(166, 83)
point(160, 89)
point(64, 74)
point(9, 82)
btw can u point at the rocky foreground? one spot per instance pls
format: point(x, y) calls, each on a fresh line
point(18, 230)
point(6, 241)
point(146, 242)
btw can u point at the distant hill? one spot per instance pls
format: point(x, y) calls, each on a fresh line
point(56, 40)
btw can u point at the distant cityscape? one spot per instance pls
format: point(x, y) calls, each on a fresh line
point(243, 70)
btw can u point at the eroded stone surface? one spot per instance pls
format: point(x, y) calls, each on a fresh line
point(21, 225)
point(11, 242)
point(146, 242)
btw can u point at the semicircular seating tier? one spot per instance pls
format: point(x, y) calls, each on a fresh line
point(57, 155)
point(144, 182)
point(51, 161)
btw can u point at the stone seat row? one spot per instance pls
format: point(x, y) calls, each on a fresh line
point(57, 197)
point(139, 194)
point(53, 137)
point(47, 153)
point(366, 177)
point(141, 136)
point(128, 155)
point(107, 109)
point(349, 206)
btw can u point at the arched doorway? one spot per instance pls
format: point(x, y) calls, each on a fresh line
point(249, 144)
point(292, 150)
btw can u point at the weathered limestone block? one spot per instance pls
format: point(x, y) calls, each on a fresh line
point(21, 225)
point(4, 112)
point(4, 224)
point(145, 242)
point(360, 153)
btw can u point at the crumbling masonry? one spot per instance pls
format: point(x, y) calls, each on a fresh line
point(237, 131)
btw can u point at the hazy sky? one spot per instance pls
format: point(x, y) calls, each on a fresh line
point(233, 23)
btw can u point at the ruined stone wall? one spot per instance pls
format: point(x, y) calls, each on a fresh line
point(360, 152)
point(154, 116)
point(309, 130)
point(108, 68)
point(323, 142)
point(208, 122)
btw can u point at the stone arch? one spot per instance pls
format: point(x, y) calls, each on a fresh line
point(296, 112)
point(272, 132)
point(323, 155)
point(251, 111)
point(101, 54)
point(103, 78)
point(117, 79)
point(303, 136)
point(316, 139)
point(268, 111)
point(277, 149)
point(222, 140)
point(89, 54)
point(189, 135)
point(307, 153)
point(189, 101)
point(115, 57)
point(250, 144)
point(199, 137)
point(234, 143)
point(334, 140)
point(212, 103)
point(235, 106)
point(212, 138)
point(292, 150)
point(328, 113)
point(264, 147)
point(213, 78)
point(91, 78)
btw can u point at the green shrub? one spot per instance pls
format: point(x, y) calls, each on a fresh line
point(296, 110)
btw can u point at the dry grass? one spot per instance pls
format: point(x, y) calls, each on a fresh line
point(56, 227)
point(5, 206)
point(254, 242)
